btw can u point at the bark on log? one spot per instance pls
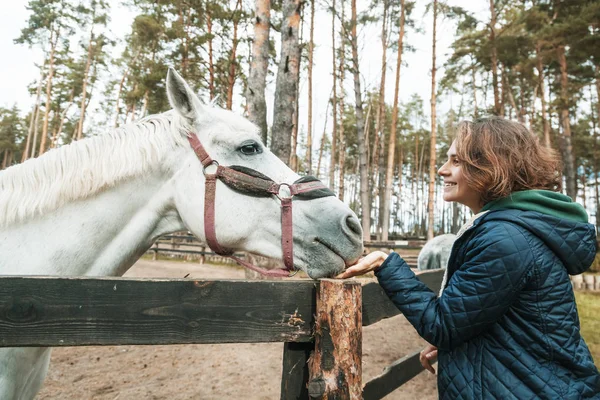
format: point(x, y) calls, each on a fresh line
point(335, 365)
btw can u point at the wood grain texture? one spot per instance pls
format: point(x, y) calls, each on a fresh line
point(107, 311)
point(294, 374)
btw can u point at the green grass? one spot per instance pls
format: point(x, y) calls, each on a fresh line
point(588, 305)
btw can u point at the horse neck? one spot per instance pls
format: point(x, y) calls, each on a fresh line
point(137, 212)
point(102, 235)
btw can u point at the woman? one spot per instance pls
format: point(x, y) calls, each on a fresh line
point(506, 323)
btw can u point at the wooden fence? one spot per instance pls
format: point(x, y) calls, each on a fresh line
point(317, 320)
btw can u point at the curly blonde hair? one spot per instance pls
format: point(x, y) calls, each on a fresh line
point(500, 157)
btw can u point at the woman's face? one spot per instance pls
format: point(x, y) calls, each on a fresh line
point(455, 184)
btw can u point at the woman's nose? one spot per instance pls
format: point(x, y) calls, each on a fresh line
point(442, 171)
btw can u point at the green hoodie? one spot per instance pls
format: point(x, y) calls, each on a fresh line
point(543, 201)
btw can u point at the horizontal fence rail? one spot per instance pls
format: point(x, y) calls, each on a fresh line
point(44, 311)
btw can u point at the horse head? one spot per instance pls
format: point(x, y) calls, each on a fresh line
point(326, 234)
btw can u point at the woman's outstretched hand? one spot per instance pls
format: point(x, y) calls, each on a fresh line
point(368, 263)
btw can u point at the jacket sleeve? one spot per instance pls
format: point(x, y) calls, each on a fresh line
point(497, 264)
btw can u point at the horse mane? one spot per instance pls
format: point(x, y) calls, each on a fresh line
point(87, 167)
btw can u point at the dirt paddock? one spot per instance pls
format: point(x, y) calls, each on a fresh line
point(224, 371)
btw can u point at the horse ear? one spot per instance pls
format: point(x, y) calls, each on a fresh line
point(181, 97)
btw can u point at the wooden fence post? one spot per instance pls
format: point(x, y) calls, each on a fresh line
point(294, 376)
point(335, 367)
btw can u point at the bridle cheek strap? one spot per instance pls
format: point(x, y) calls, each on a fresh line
point(287, 233)
point(209, 216)
point(213, 243)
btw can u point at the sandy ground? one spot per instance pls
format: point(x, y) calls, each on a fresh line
point(224, 371)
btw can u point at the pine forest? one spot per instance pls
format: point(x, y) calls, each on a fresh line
point(533, 61)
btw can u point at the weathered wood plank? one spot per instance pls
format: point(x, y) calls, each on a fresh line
point(46, 311)
point(294, 375)
point(377, 306)
point(393, 376)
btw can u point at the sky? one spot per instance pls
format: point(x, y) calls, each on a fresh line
point(18, 68)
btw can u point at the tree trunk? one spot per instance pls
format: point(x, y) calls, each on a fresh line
point(63, 115)
point(380, 124)
point(322, 146)
point(10, 159)
point(145, 103)
point(542, 91)
point(341, 132)
point(5, 159)
point(432, 154)
point(294, 151)
point(566, 125)
point(595, 152)
point(494, 59)
point(232, 56)
point(133, 104)
point(583, 190)
point(54, 41)
point(122, 84)
point(211, 64)
point(286, 91)
point(389, 173)
point(333, 101)
point(311, 45)
point(511, 97)
point(400, 161)
point(360, 128)
point(185, 24)
point(36, 129)
point(474, 84)
point(257, 105)
point(84, 87)
point(29, 147)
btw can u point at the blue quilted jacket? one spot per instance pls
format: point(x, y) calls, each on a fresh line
point(506, 325)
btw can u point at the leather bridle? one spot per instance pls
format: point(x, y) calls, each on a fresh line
point(251, 182)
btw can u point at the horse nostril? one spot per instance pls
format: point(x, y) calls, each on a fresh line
point(354, 224)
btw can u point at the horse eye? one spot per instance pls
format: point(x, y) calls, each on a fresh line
point(250, 149)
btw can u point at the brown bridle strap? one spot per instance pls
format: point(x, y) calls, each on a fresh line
point(258, 185)
point(287, 233)
point(199, 150)
point(209, 216)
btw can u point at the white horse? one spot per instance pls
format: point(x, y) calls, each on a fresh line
point(94, 207)
point(436, 252)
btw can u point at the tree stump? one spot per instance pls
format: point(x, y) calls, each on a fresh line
point(335, 368)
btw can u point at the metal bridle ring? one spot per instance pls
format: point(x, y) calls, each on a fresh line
point(289, 188)
point(213, 162)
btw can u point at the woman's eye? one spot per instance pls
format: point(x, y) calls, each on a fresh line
point(250, 149)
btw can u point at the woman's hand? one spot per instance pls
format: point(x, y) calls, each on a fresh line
point(427, 357)
point(368, 263)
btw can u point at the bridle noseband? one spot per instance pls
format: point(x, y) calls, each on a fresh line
point(251, 182)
